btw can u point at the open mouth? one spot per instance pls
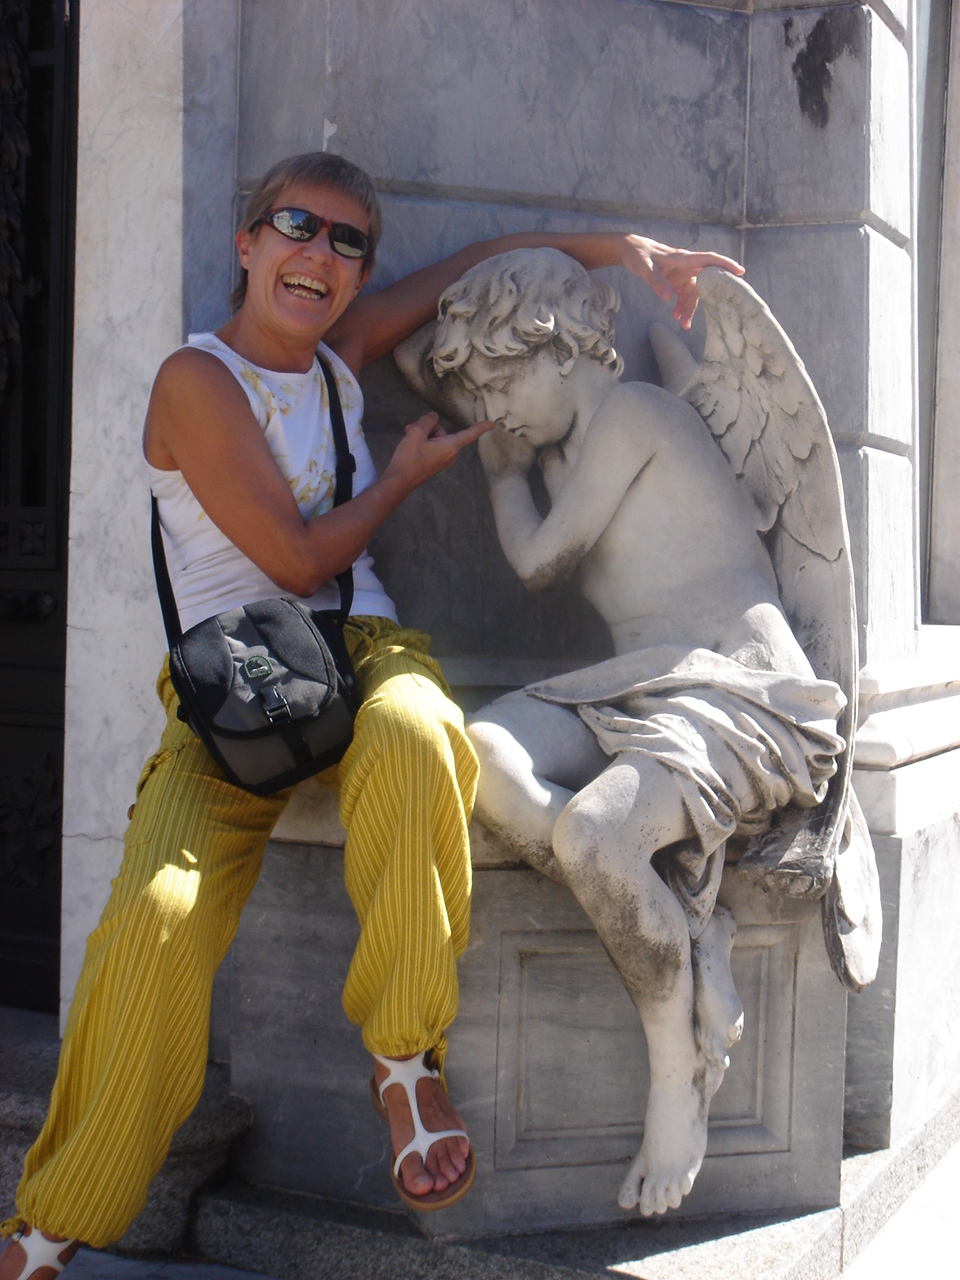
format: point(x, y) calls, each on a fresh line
point(305, 287)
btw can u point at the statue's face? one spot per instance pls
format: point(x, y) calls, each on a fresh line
point(526, 394)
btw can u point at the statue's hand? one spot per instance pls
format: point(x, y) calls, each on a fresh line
point(504, 453)
point(672, 273)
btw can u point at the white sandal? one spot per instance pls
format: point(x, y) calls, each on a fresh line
point(406, 1072)
point(40, 1251)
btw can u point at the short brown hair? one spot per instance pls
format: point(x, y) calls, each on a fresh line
point(314, 169)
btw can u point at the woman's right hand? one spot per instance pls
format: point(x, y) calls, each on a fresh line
point(426, 449)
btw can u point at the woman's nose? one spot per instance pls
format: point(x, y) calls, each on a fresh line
point(319, 247)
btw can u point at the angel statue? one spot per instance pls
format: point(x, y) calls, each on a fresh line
point(722, 727)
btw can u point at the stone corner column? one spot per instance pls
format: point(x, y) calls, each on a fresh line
point(128, 313)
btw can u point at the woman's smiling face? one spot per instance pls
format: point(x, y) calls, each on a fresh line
point(301, 287)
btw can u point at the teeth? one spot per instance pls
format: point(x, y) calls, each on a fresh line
point(297, 283)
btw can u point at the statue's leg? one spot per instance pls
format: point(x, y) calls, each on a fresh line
point(534, 756)
point(718, 1013)
point(604, 840)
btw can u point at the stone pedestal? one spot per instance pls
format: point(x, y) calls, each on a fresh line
point(903, 1050)
point(548, 1062)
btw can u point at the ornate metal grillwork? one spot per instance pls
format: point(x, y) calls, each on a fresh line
point(33, 291)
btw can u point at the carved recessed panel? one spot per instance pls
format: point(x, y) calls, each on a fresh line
point(565, 1017)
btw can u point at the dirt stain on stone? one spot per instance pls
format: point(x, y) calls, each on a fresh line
point(835, 33)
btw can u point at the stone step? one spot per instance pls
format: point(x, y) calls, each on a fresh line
point(292, 1236)
point(200, 1149)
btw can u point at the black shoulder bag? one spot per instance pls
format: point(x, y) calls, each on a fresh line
point(269, 687)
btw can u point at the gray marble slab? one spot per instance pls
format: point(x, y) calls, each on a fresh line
point(209, 145)
point(536, 1060)
point(843, 295)
point(829, 118)
point(894, 14)
point(640, 103)
point(878, 492)
point(282, 82)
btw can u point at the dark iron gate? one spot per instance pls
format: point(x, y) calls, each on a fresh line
point(38, 114)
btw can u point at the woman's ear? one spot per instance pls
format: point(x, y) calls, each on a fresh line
point(244, 241)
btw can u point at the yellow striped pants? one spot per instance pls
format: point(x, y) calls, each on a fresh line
point(134, 1053)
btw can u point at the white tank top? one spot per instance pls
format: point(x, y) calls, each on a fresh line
point(207, 572)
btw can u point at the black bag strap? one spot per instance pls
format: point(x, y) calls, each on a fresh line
point(343, 492)
point(168, 603)
point(343, 489)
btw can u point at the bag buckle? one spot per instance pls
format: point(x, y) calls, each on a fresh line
point(274, 704)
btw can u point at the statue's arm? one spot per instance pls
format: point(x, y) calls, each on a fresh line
point(544, 552)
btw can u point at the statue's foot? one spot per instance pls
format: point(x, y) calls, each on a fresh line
point(718, 1013)
point(674, 1142)
point(789, 859)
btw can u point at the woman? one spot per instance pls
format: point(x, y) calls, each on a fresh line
point(237, 441)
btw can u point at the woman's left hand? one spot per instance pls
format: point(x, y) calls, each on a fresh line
point(672, 273)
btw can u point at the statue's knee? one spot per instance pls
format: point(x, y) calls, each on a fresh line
point(489, 741)
point(577, 835)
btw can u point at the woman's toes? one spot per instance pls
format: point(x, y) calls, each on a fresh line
point(418, 1180)
point(446, 1165)
point(456, 1156)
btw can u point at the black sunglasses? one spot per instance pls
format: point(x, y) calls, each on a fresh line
point(299, 224)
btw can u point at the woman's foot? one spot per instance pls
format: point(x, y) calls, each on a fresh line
point(14, 1258)
point(446, 1160)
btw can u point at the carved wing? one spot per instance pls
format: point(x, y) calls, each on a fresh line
point(754, 393)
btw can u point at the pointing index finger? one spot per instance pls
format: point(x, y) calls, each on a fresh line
point(702, 260)
point(468, 435)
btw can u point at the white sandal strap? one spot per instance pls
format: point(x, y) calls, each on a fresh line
point(406, 1072)
point(40, 1252)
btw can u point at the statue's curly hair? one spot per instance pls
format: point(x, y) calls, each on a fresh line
point(521, 300)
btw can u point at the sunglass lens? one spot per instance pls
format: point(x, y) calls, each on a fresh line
point(348, 241)
point(296, 224)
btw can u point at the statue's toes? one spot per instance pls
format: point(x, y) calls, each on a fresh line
point(653, 1197)
point(673, 1194)
point(629, 1196)
point(713, 1046)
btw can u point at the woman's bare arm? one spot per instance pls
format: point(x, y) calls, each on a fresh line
point(375, 323)
point(200, 423)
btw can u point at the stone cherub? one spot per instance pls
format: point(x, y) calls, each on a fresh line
point(713, 722)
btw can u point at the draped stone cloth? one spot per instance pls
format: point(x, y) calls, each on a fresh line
point(740, 743)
